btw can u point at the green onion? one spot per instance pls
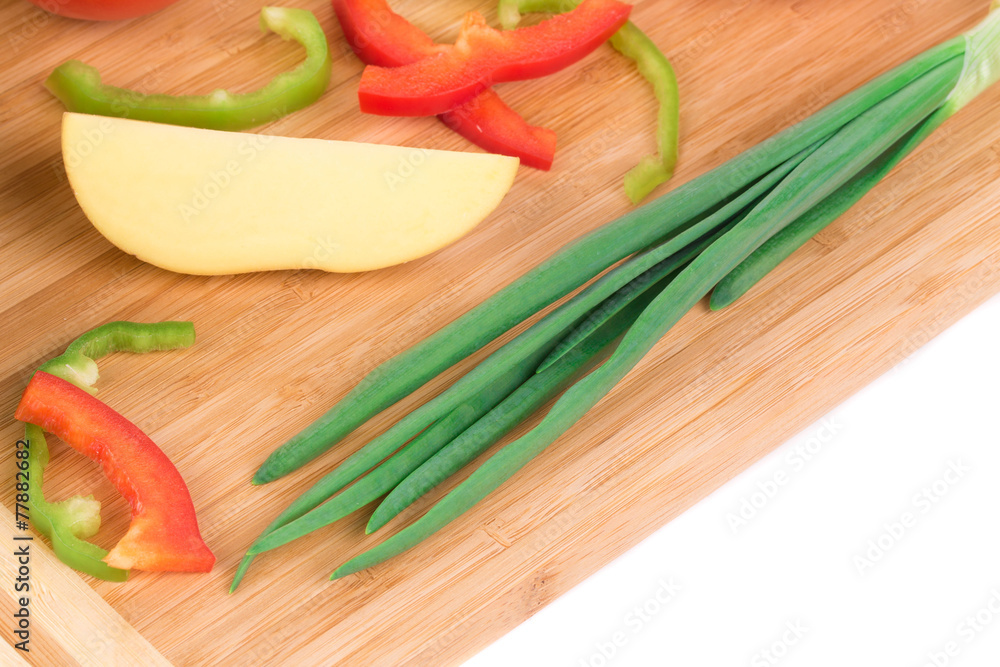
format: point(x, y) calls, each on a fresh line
point(418, 467)
point(784, 243)
point(670, 255)
point(578, 263)
point(302, 516)
point(981, 68)
point(501, 465)
point(820, 174)
point(603, 298)
point(723, 230)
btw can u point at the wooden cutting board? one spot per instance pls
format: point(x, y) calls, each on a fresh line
point(276, 350)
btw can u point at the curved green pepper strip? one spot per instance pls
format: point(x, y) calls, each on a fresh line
point(79, 87)
point(652, 170)
point(77, 364)
point(633, 43)
point(66, 523)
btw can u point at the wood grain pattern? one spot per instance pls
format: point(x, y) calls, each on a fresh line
point(276, 350)
point(69, 622)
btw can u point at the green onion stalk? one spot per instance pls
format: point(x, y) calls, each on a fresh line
point(718, 234)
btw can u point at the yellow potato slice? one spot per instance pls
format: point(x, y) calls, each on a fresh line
point(209, 202)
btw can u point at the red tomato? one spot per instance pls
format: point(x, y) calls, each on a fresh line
point(102, 10)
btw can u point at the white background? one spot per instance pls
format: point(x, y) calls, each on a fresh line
point(824, 571)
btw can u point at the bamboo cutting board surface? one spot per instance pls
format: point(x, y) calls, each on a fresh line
point(275, 350)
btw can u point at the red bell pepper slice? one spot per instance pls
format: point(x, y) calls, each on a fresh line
point(163, 534)
point(483, 56)
point(488, 122)
point(379, 36)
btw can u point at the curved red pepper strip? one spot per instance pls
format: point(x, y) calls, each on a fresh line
point(163, 534)
point(483, 56)
point(488, 122)
point(381, 37)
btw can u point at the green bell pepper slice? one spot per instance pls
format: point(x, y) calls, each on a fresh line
point(77, 364)
point(78, 86)
point(633, 43)
point(65, 523)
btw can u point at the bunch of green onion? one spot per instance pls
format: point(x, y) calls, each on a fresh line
point(719, 233)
